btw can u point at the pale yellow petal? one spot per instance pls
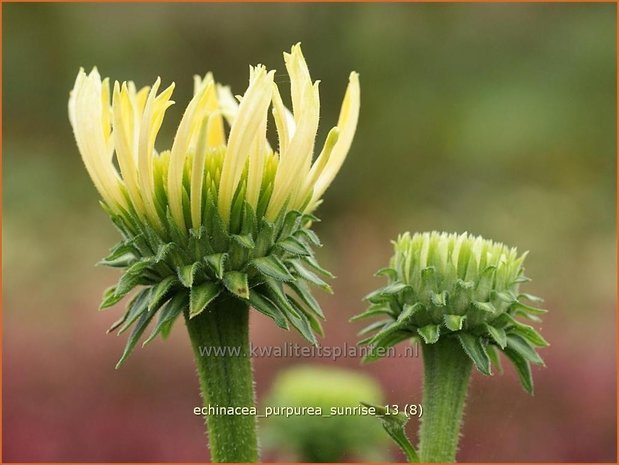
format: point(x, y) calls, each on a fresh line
point(87, 116)
point(152, 119)
point(291, 171)
point(125, 135)
point(197, 176)
point(185, 135)
point(257, 157)
point(300, 79)
point(347, 124)
point(251, 114)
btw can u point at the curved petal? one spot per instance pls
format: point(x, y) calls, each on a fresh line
point(347, 124)
point(152, 119)
point(292, 168)
point(252, 112)
point(126, 131)
point(187, 131)
point(89, 117)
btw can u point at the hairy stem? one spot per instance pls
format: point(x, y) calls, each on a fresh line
point(220, 340)
point(447, 370)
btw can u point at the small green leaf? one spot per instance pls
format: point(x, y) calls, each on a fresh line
point(293, 246)
point(484, 306)
point(296, 318)
point(384, 340)
point(249, 220)
point(504, 320)
point(117, 323)
point(289, 224)
point(120, 249)
point(244, 240)
point(121, 256)
point(217, 231)
point(506, 297)
point(168, 314)
point(187, 273)
point(236, 283)
point(306, 296)
point(464, 285)
point(440, 299)
point(408, 311)
point(151, 236)
point(307, 275)
point(498, 335)
point(373, 310)
point(132, 277)
point(529, 309)
point(484, 285)
point(386, 292)
point(163, 251)
point(161, 290)
point(530, 334)
point(311, 261)
point(523, 368)
point(521, 279)
point(310, 235)
point(389, 273)
point(273, 267)
point(175, 233)
point(110, 298)
point(531, 298)
point(429, 279)
point(454, 322)
point(216, 263)
point(311, 317)
point(265, 306)
point(394, 426)
point(430, 333)
point(137, 332)
point(264, 240)
point(474, 348)
point(373, 327)
point(308, 218)
point(493, 354)
point(201, 296)
point(137, 306)
point(522, 347)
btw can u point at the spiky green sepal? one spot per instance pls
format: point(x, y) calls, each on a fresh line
point(268, 265)
point(456, 286)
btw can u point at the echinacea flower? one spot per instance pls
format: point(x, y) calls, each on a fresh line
point(222, 211)
point(457, 286)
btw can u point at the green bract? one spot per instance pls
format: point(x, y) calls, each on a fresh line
point(221, 212)
point(457, 286)
point(267, 264)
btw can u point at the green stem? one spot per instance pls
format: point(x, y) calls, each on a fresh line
point(447, 370)
point(226, 378)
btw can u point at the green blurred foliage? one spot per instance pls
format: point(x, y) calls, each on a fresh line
point(324, 438)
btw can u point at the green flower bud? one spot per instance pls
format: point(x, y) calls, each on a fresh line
point(221, 212)
point(457, 286)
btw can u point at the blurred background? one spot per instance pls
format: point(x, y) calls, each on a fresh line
point(493, 119)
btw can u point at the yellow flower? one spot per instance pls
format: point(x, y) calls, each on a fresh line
point(203, 161)
point(222, 213)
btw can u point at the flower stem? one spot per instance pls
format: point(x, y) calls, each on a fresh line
point(447, 370)
point(226, 378)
